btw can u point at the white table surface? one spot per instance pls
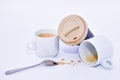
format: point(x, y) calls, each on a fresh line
point(19, 19)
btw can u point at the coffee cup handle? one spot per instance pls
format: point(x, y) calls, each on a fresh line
point(107, 63)
point(31, 47)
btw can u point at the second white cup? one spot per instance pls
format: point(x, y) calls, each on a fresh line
point(46, 43)
point(97, 51)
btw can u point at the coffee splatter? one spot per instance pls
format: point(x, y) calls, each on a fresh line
point(62, 63)
point(72, 61)
point(78, 61)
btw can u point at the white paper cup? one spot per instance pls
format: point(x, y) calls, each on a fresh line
point(75, 48)
point(67, 48)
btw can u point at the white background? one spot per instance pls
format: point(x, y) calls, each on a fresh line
point(19, 19)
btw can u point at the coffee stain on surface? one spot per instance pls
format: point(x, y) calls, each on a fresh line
point(72, 61)
point(61, 63)
point(78, 61)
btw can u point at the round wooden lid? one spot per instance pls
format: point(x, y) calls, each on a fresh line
point(72, 30)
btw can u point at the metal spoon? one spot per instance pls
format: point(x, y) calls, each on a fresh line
point(45, 62)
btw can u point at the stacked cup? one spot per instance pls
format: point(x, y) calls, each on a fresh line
point(72, 31)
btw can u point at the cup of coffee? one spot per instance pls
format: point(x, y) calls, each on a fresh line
point(72, 31)
point(97, 51)
point(46, 43)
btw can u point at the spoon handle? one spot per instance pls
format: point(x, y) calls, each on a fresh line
point(20, 69)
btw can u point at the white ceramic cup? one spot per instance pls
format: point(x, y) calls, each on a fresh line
point(45, 46)
point(100, 46)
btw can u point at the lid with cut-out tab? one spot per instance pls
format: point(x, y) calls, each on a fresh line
point(72, 30)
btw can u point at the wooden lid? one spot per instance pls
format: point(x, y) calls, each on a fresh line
point(72, 30)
